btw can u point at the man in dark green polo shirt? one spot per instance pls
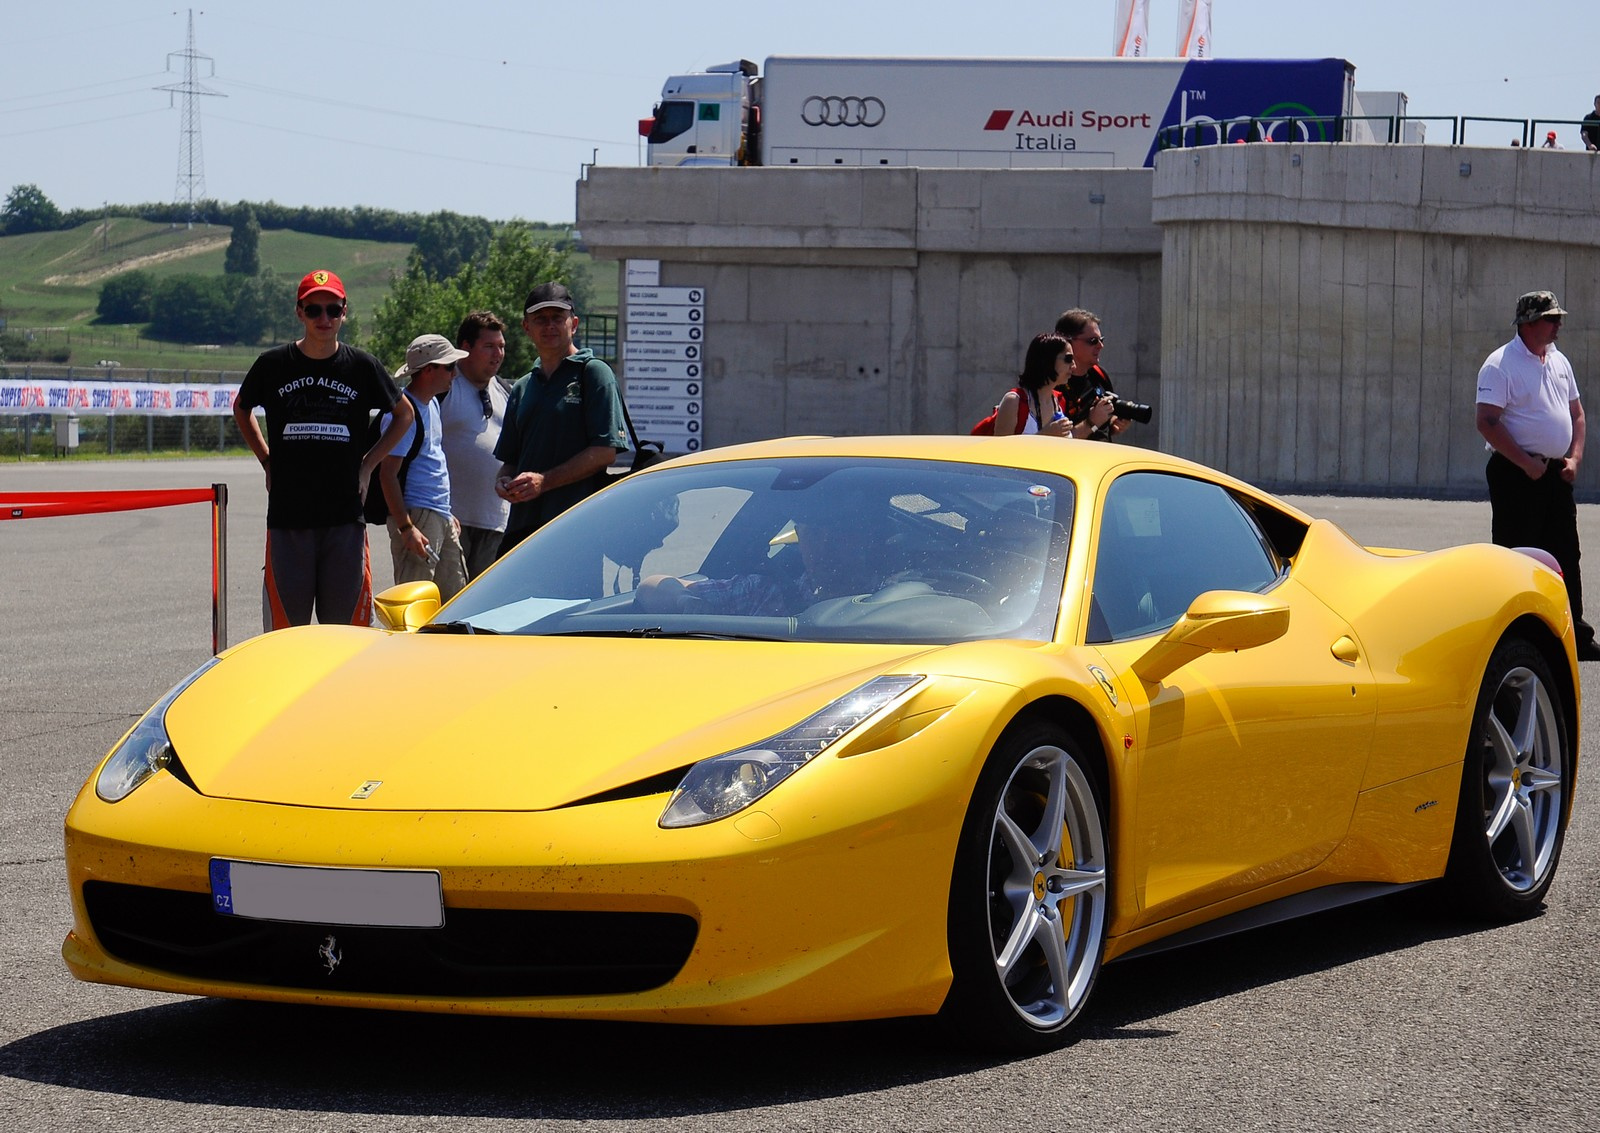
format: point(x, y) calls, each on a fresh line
point(563, 422)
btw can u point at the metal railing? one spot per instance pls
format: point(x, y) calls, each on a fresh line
point(107, 433)
point(1466, 129)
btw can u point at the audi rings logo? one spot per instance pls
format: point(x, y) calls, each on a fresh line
point(842, 110)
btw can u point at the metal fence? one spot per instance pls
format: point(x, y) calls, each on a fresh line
point(77, 432)
point(63, 435)
point(1379, 128)
point(100, 432)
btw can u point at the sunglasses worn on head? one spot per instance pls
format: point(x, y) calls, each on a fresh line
point(314, 310)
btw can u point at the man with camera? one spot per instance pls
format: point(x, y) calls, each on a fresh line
point(1089, 383)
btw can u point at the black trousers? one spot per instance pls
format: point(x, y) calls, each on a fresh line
point(1539, 513)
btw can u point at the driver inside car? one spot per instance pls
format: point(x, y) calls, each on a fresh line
point(840, 555)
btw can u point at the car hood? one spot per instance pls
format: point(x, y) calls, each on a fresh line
point(311, 716)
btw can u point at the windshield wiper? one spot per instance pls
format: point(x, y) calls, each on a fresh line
point(659, 632)
point(455, 627)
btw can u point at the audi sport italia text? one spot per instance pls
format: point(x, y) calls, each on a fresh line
point(965, 112)
point(1091, 120)
point(1046, 142)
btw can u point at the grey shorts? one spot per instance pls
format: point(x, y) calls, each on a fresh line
point(321, 570)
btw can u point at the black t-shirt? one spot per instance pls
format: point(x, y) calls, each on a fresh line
point(317, 411)
point(1590, 132)
point(1076, 390)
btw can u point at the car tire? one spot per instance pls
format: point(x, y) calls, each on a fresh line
point(1515, 789)
point(1028, 896)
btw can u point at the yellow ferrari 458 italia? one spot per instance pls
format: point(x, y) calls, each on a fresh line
point(832, 729)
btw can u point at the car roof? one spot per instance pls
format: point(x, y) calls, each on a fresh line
point(1084, 461)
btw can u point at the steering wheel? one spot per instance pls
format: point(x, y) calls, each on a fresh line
point(948, 580)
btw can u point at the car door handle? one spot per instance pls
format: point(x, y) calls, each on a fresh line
point(1346, 650)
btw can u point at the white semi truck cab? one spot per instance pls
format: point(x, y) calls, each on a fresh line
point(709, 117)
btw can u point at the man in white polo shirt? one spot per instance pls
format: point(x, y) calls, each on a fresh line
point(1532, 422)
point(424, 539)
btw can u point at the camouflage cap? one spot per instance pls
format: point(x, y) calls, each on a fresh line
point(1535, 305)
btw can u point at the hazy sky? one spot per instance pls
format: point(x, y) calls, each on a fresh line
point(491, 107)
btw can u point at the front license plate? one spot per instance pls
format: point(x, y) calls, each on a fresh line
point(389, 898)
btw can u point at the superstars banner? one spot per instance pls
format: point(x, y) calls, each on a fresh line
point(23, 396)
point(1194, 29)
point(1132, 34)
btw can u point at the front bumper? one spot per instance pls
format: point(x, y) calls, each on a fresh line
point(827, 901)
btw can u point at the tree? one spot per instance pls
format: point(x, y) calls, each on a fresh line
point(27, 209)
point(420, 304)
point(125, 298)
point(190, 308)
point(448, 242)
point(244, 248)
point(261, 306)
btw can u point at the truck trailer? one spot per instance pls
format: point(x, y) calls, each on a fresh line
point(1025, 113)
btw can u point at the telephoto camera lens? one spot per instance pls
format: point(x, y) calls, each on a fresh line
point(1132, 410)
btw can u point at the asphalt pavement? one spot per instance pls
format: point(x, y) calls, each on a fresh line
point(1378, 1017)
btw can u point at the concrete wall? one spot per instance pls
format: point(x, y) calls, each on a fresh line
point(1305, 316)
point(886, 300)
point(1327, 308)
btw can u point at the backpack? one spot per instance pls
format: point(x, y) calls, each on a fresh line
point(985, 428)
point(376, 508)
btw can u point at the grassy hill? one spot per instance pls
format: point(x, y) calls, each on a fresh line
point(50, 283)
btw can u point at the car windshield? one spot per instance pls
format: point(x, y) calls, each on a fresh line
point(806, 549)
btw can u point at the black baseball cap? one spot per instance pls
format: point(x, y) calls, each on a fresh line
point(549, 295)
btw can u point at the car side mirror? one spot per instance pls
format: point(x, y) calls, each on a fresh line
point(407, 606)
point(1218, 621)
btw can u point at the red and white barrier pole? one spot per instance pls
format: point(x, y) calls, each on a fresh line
point(43, 505)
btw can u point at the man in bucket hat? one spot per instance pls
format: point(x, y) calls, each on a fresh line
point(318, 395)
point(424, 537)
point(1532, 423)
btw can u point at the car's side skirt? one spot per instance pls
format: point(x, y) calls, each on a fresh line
point(1283, 909)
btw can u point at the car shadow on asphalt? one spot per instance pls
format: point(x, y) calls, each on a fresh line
point(218, 1052)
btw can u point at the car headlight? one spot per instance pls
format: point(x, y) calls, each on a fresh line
point(725, 784)
point(145, 750)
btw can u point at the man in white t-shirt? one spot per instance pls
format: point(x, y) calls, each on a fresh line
point(1532, 423)
point(470, 415)
point(424, 542)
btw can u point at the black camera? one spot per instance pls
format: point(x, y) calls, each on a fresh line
point(1078, 406)
point(1132, 410)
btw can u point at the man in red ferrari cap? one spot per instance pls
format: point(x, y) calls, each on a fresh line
point(318, 395)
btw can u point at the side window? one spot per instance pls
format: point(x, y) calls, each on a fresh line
point(1165, 540)
point(673, 117)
